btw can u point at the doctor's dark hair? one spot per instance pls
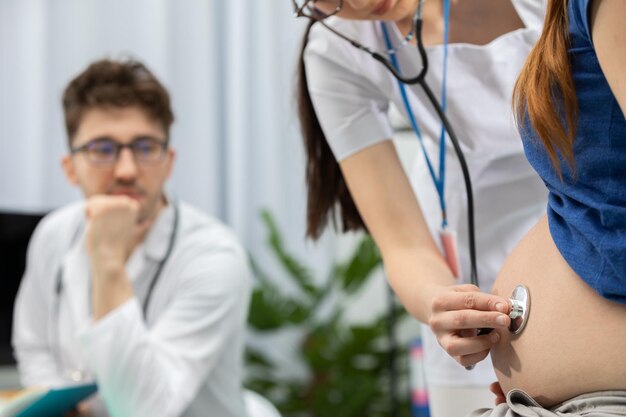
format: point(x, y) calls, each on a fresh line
point(116, 84)
point(328, 196)
point(545, 85)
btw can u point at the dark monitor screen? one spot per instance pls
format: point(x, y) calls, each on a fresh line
point(15, 232)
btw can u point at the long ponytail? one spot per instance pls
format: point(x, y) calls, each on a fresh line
point(545, 83)
point(327, 191)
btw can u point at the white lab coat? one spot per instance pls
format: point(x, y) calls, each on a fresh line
point(184, 360)
point(352, 93)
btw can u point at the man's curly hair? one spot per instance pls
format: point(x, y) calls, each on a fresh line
point(115, 84)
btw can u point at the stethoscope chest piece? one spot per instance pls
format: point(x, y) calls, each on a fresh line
point(520, 309)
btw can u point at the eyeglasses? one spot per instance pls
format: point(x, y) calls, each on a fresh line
point(317, 9)
point(106, 151)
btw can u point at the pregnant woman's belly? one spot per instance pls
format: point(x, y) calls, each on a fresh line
point(574, 341)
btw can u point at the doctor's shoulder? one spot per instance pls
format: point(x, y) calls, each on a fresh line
point(204, 242)
point(55, 232)
point(532, 13)
point(324, 46)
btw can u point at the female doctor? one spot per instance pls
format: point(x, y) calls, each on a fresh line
point(353, 170)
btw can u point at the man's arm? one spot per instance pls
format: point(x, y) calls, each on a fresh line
point(158, 371)
point(31, 319)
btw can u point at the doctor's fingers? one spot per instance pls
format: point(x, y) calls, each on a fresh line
point(78, 413)
point(453, 321)
point(471, 360)
point(456, 345)
point(81, 410)
point(467, 297)
point(468, 347)
point(105, 204)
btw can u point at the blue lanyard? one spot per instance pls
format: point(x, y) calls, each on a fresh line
point(438, 180)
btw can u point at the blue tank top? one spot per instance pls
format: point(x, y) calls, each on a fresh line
point(587, 211)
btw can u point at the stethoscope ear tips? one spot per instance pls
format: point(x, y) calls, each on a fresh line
point(520, 309)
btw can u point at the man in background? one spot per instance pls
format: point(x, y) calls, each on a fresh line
point(142, 294)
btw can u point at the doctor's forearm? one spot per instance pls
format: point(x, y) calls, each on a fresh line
point(37, 367)
point(33, 350)
point(111, 288)
point(416, 276)
point(138, 375)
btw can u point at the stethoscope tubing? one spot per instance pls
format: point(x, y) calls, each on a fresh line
point(466, 179)
point(168, 253)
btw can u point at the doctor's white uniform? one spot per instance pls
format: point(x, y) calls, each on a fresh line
point(183, 359)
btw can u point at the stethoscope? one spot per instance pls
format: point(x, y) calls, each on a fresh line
point(78, 375)
point(520, 297)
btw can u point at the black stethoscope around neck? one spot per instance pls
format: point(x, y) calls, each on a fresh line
point(58, 288)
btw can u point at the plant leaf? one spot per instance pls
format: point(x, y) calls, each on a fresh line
point(269, 310)
point(365, 259)
point(296, 269)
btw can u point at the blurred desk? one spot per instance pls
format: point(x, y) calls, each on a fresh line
point(8, 395)
point(9, 378)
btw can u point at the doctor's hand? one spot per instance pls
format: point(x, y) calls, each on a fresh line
point(112, 228)
point(81, 410)
point(458, 312)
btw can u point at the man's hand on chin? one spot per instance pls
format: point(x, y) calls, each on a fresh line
point(113, 231)
point(112, 228)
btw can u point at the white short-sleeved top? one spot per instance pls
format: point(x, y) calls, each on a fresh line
point(351, 93)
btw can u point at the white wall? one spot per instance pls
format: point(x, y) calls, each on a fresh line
point(229, 66)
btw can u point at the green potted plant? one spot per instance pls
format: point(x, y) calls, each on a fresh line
point(346, 364)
